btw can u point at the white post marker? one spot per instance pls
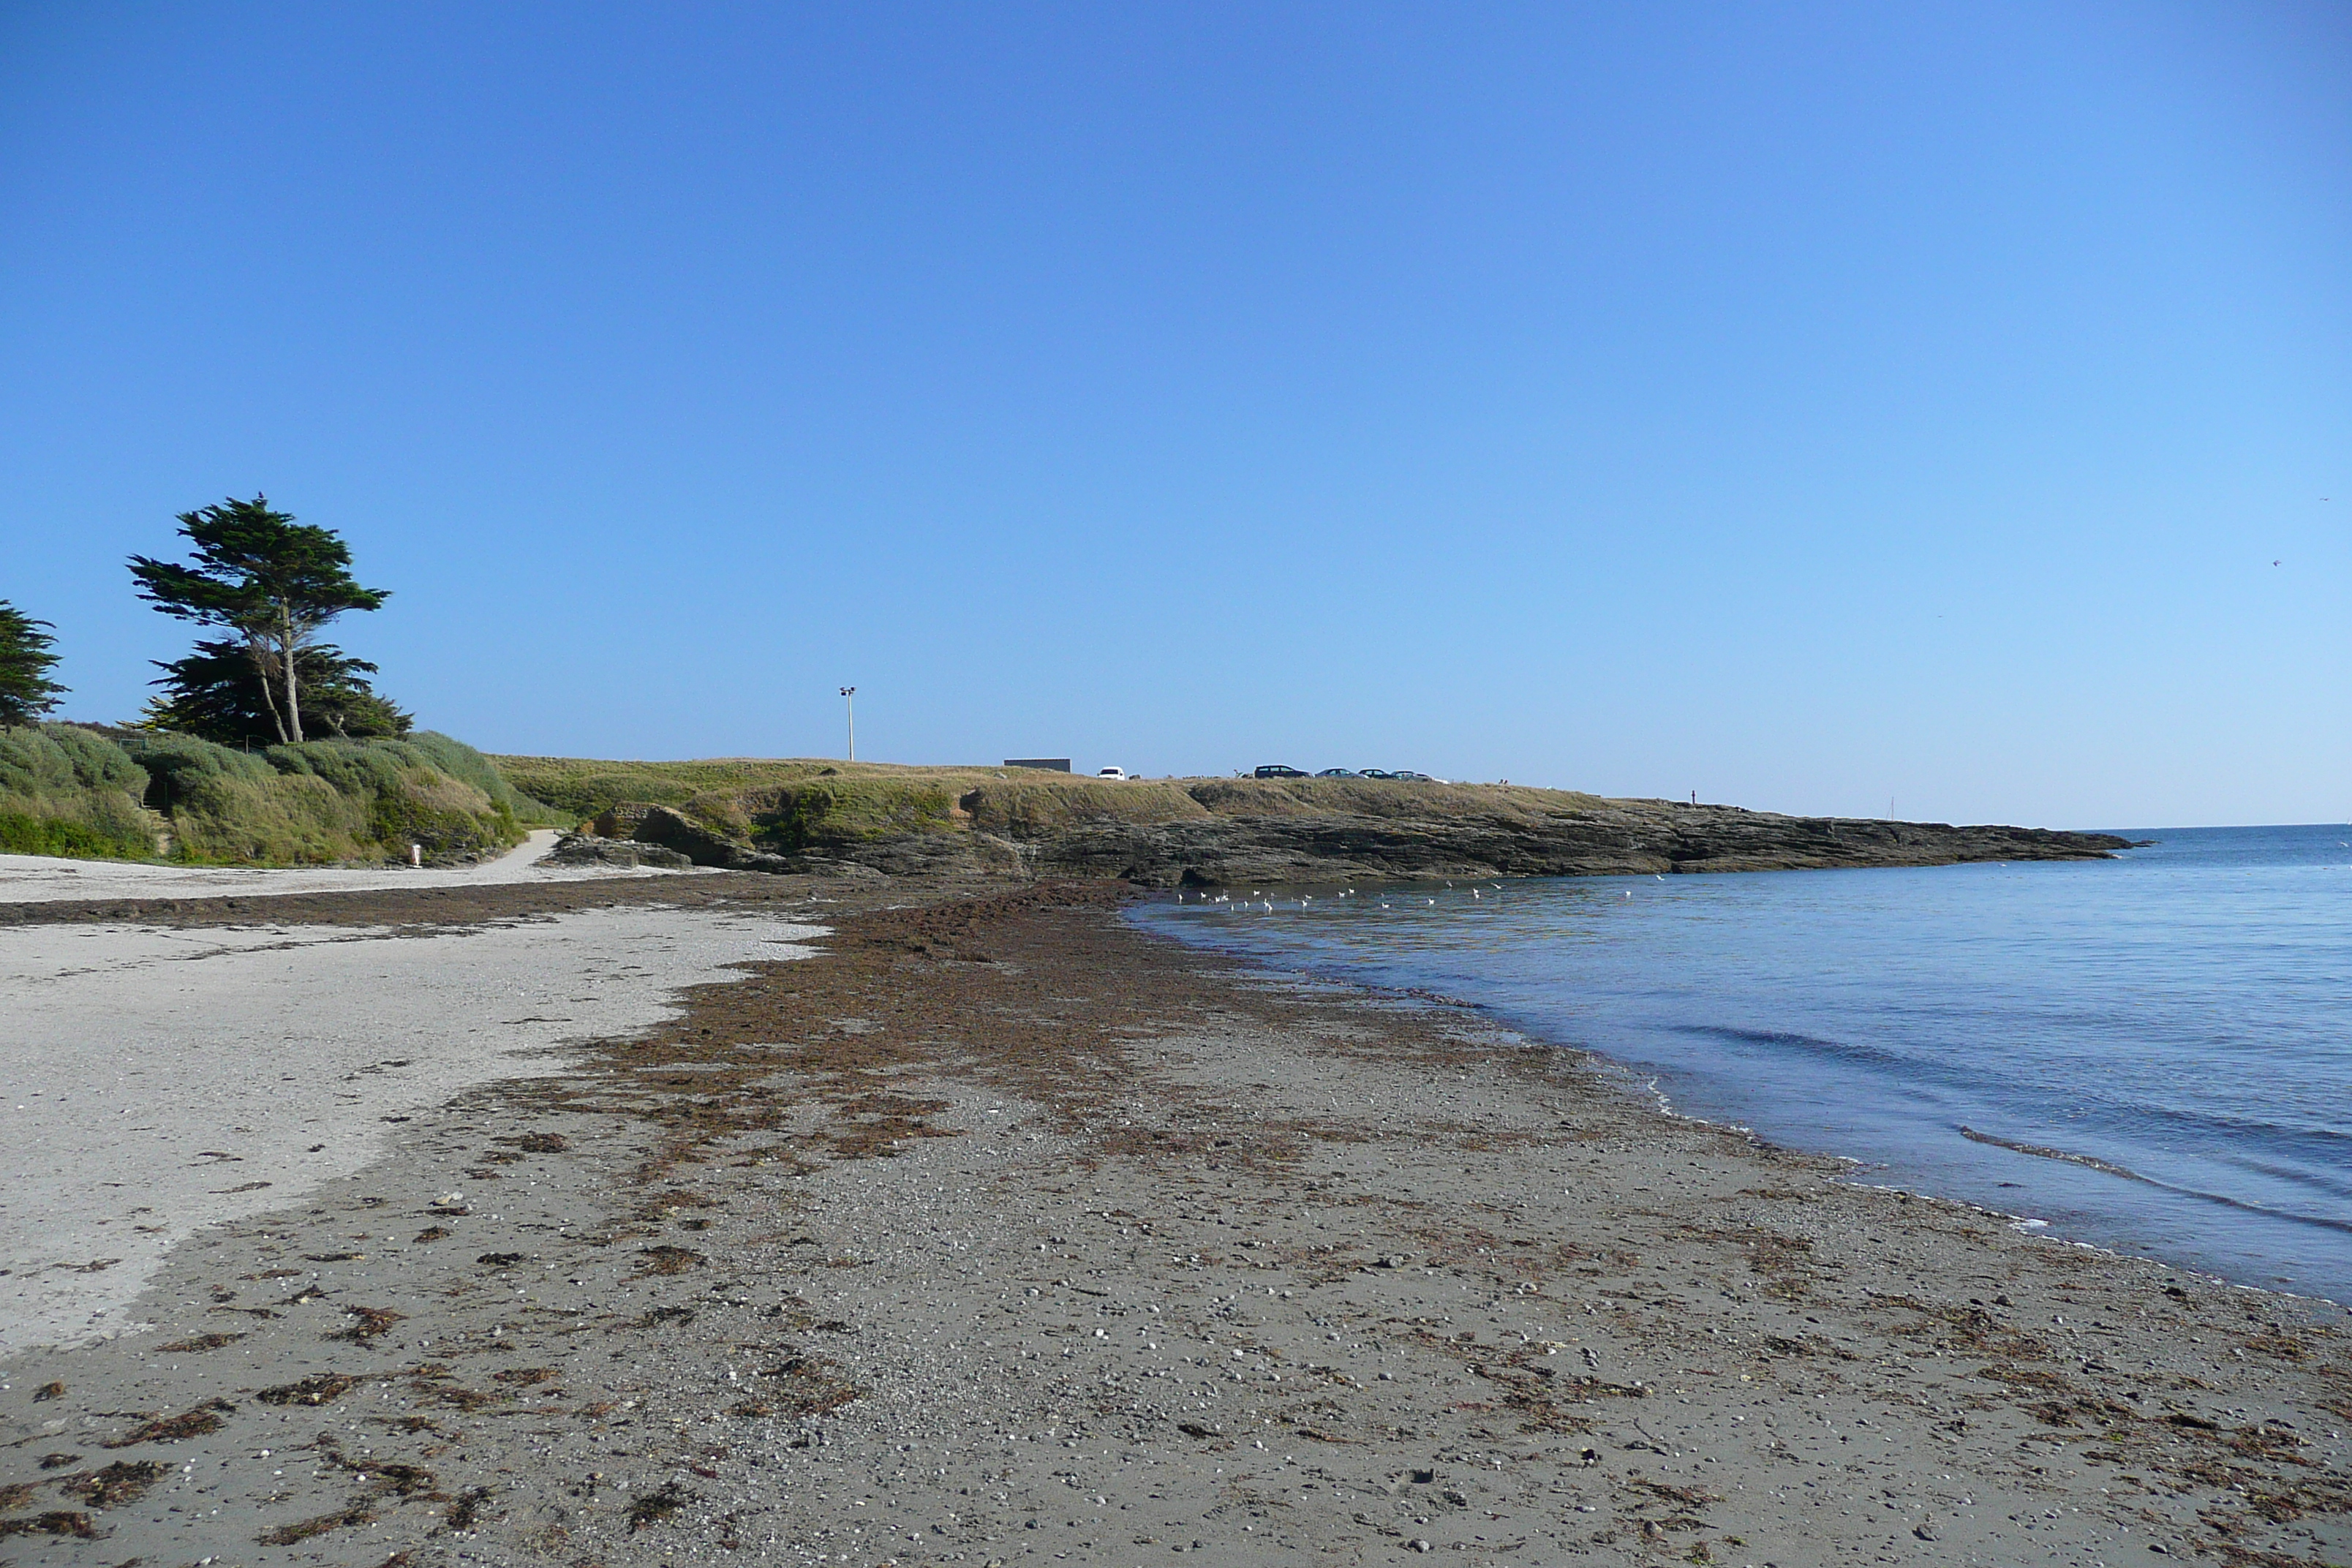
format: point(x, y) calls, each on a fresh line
point(416, 855)
point(849, 707)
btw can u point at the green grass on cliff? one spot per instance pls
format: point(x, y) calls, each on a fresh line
point(793, 803)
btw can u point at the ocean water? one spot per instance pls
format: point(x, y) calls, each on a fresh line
point(2152, 1053)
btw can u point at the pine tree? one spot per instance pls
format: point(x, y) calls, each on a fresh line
point(273, 582)
point(220, 693)
point(26, 692)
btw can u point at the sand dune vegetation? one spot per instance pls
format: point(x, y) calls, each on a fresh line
point(75, 790)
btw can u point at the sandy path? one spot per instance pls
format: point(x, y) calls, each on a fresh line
point(159, 1081)
point(40, 879)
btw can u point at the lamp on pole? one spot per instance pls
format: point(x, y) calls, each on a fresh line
point(849, 709)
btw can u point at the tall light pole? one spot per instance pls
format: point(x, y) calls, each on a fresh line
point(849, 707)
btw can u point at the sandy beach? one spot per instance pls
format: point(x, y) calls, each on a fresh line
point(40, 879)
point(996, 1232)
point(162, 1080)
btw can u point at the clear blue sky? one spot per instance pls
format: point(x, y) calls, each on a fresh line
point(1812, 406)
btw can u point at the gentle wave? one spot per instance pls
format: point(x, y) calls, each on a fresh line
point(2049, 1153)
point(2320, 1143)
point(2164, 1040)
point(2110, 1168)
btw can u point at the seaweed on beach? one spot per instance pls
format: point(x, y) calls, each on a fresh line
point(322, 1389)
point(665, 1259)
point(524, 1377)
point(367, 1322)
point(466, 1508)
point(304, 1530)
point(120, 1482)
point(57, 1522)
point(196, 1423)
point(653, 1507)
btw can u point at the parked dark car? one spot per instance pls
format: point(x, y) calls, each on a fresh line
point(1277, 770)
point(1373, 773)
point(1337, 774)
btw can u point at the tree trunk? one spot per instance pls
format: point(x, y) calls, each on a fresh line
point(258, 652)
point(293, 697)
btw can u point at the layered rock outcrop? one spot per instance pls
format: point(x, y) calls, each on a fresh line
point(1624, 837)
point(1212, 832)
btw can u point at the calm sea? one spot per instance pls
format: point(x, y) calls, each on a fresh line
point(2152, 1053)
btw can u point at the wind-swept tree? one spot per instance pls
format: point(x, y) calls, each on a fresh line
point(272, 580)
point(217, 693)
point(26, 689)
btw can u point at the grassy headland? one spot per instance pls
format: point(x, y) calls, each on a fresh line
point(813, 815)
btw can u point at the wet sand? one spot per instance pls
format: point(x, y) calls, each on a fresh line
point(998, 1232)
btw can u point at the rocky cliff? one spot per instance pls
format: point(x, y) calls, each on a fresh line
point(1622, 837)
point(1218, 832)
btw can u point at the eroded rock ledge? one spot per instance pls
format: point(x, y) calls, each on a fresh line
point(1227, 842)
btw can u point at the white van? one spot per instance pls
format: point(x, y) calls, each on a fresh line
point(1120, 773)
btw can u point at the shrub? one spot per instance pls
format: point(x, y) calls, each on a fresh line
point(175, 764)
point(43, 758)
point(66, 790)
point(325, 801)
point(23, 833)
point(224, 818)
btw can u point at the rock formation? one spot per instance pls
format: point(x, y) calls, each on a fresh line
point(1212, 832)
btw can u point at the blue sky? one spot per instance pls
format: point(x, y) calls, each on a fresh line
point(1815, 407)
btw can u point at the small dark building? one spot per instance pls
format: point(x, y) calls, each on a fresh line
point(1051, 765)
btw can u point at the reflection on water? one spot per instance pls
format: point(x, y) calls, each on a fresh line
point(2153, 1053)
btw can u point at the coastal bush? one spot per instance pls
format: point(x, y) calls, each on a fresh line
point(339, 800)
point(173, 764)
point(50, 758)
point(66, 790)
point(71, 790)
point(22, 833)
point(226, 819)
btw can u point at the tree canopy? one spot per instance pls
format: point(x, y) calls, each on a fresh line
point(219, 693)
point(26, 692)
point(273, 582)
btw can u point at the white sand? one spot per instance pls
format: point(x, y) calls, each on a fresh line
point(41, 878)
point(156, 1081)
